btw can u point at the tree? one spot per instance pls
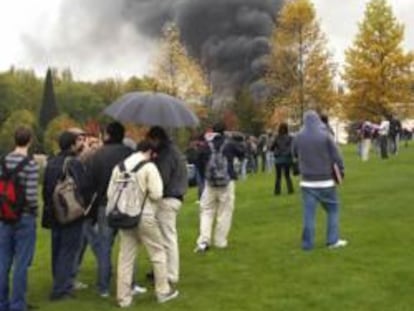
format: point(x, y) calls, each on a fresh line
point(378, 73)
point(48, 110)
point(176, 72)
point(54, 129)
point(300, 70)
point(249, 113)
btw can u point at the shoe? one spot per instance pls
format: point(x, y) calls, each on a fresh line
point(137, 290)
point(167, 297)
point(201, 248)
point(80, 286)
point(104, 294)
point(338, 244)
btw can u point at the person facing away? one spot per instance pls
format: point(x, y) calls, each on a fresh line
point(17, 238)
point(149, 190)
point(282, 150)
point(66, 238)
point(173, 169)
point(217, 201)
point(100, 236)
point(317, 153)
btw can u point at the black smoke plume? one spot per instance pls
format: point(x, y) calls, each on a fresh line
point(230, 38)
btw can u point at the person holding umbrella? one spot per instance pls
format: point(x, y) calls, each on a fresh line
point(172, 166)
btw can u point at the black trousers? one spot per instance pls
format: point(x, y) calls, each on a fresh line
point(285, 169)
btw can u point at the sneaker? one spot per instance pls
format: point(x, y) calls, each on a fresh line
point(201, 248)
point(80, 286)
point(104, 294)
point(167, 297)
point(137, 290)
point(338, 244)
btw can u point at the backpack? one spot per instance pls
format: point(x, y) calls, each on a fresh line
point(12, 192)
point(217, 173)
point(122, 211)
point(68, 205)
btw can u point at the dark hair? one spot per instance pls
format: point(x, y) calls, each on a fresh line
point(115, 131)
point(22, 136)
point(66, 140)
point(219, 127)
point(157, 132)
point(324, 118)
point(283, 129)
point(144, 146)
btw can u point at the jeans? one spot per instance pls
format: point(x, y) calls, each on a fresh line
point(17, 245)
point(328, 198)
point(285, 167)
point(105, 237)
point(66, 247)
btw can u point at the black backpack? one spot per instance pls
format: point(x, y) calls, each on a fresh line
point(217, 172)
point(12, 192)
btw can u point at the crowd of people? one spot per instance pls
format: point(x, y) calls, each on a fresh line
point(159, 170)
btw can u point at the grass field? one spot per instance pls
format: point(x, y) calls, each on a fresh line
point(264, 267)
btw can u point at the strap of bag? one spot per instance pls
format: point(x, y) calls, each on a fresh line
point(16, 170)
point(65, 168)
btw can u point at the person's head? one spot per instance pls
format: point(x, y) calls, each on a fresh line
point(146, 148)
point(80, 139)
point(68, 141)
point(114, 133)
point(219, 127)
point(22, 137)
point(157, 136)
point(283, 129)
point(312, 121)
point(324, 119)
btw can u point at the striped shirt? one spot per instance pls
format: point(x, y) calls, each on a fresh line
point(29, 177)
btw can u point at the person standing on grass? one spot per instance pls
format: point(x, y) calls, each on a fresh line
point(173, 169)
point(217, 201)
point(17, 238)
point(282, 150)
point(149, 190)
point(383, 132)
point(317, 152)
point(66, 238)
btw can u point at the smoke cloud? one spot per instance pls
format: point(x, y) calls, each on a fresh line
point(230, 38)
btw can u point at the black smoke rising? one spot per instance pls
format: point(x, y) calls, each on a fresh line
point(230, 38)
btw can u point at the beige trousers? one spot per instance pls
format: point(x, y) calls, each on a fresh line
point(167, 218)
point(365, 147)
point(216, 204)
point(149, 234)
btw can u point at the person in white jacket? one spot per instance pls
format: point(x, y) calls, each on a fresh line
point(149, 182)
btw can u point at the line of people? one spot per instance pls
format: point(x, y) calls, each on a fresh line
point(165, 181)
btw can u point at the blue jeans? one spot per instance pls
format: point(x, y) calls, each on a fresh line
point(17, 245)
point(329, 201)
point(66, 247)
point(105, 237)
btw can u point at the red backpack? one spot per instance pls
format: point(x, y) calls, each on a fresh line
point(12, 194)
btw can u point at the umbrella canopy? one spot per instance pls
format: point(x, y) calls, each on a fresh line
point(148, 108)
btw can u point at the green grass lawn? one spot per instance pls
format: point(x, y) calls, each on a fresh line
point(264, 267)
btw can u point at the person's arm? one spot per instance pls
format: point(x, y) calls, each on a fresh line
point(153, 182)
point(31, 186)
point(336, 155)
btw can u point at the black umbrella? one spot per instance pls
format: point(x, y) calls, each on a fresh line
point(148, 108)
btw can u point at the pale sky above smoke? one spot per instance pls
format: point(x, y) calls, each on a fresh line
point(29, 40)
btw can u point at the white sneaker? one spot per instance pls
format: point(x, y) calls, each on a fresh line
point(338, 244)
point(104, 295)
point(202, 247)
point(137, 290)
point(80, 286)
point(167, 297)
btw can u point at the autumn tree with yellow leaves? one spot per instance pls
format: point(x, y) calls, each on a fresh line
point(300, 71)
point(176, 72)
point(378, 72)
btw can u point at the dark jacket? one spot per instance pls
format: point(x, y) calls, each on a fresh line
point(54, 171)
point(99, 169)
point(316, 150)
point(231, 151)
point(282, 149)
point(173, 169)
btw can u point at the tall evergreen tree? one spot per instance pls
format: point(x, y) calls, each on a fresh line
point(48, 110)
point(378, 72)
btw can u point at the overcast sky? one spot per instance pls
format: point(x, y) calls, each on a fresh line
point(35, 23)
